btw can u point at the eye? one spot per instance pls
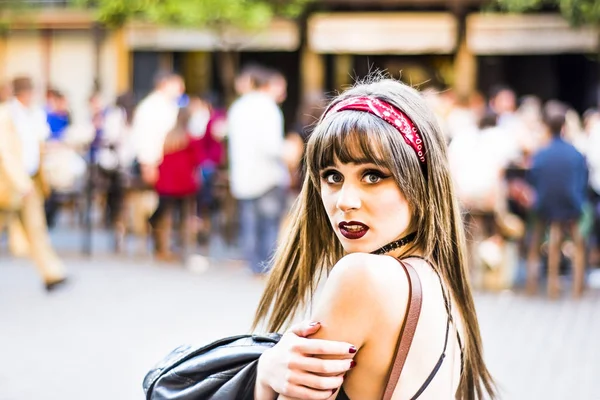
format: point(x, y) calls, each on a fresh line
point(373, 177)
point(332, 177)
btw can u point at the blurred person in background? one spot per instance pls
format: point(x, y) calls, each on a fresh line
point(154, 118)
point(441, 103)
point(530, 115)
point(57, 114)
point(559, 177)
point(23, 128)
point(212, 144)
point(258, 176)
point(520, 130)
point(177, 186)
point(58, 117)
point(115, 156)
point(245, 81)
point(574, 132)
point(503, 103)
point(592, 129)
point(97, 110)
point(461, 118)
point(477, 165)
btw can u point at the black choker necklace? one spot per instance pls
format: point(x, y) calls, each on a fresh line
point(395, 244)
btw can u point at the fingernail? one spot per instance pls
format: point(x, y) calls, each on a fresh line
point(352, 349)
point(314, 324)
point(352, 364)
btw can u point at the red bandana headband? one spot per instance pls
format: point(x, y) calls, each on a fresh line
point(389, 114)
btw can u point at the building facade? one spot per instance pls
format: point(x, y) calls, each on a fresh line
point(443, 43)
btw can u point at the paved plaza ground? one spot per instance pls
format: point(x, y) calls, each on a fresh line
point(96, 339)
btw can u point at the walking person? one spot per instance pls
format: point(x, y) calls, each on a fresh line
point(258, 176)
point(378, 191)
point(23, 129)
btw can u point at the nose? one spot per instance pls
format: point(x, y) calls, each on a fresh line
point(348, 199)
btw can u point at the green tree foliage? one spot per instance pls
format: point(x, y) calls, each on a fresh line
point(577, 12)
point(248, 14)
point(9, 9)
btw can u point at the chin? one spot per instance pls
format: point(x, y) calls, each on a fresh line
point(353, 246)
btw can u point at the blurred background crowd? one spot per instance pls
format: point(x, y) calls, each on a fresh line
point(177, 136)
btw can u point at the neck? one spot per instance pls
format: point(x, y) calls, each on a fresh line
point(22, 102)
point(396, 244)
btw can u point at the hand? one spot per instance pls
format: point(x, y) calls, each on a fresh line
point(290, 368)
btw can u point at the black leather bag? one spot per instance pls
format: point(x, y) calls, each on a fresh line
point(222, 370)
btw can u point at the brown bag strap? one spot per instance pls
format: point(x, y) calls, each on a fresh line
point(413, 310)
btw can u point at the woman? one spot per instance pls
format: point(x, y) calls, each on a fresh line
point(377, 188)
point(177, 185)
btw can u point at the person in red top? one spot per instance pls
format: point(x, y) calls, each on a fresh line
point(177, 185)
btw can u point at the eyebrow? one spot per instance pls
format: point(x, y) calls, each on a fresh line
point(366, 165)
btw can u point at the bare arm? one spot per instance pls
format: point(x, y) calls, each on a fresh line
point(292, 367)
point(354, 306)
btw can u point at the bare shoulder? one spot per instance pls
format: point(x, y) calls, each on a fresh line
point(365, 269)
point(357, 297)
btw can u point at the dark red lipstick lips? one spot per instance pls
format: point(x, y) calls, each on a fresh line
point(353, 229)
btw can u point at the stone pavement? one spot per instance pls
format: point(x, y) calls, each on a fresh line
point(96, 339)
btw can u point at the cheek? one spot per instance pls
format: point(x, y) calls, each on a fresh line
point(392, 210)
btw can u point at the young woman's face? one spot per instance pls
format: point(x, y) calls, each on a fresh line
point(365, 206)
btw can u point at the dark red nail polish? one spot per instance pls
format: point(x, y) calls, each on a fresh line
point(352, 349)
point(352, 364)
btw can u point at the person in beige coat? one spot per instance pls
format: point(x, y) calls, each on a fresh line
point(22, 188)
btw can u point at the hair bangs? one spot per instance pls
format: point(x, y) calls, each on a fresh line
point(349, 137)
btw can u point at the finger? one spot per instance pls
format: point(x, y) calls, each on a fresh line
point(323, 347)
point(317, 382)
point(305, 328)
point(322, 366)
point(298, 392)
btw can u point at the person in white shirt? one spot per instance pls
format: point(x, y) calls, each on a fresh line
point(258, 176)
point(23, 128)
point(154, 117)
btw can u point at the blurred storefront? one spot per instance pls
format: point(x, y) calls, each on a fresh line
point(209, 61)
point(440, 43)
point(63, 49)
point(417, 47)
point(536, 54)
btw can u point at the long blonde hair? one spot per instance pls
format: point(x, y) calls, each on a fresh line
point(311, 247)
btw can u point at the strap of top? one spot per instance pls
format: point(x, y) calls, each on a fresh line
point(448, 305)
point(413, 311)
